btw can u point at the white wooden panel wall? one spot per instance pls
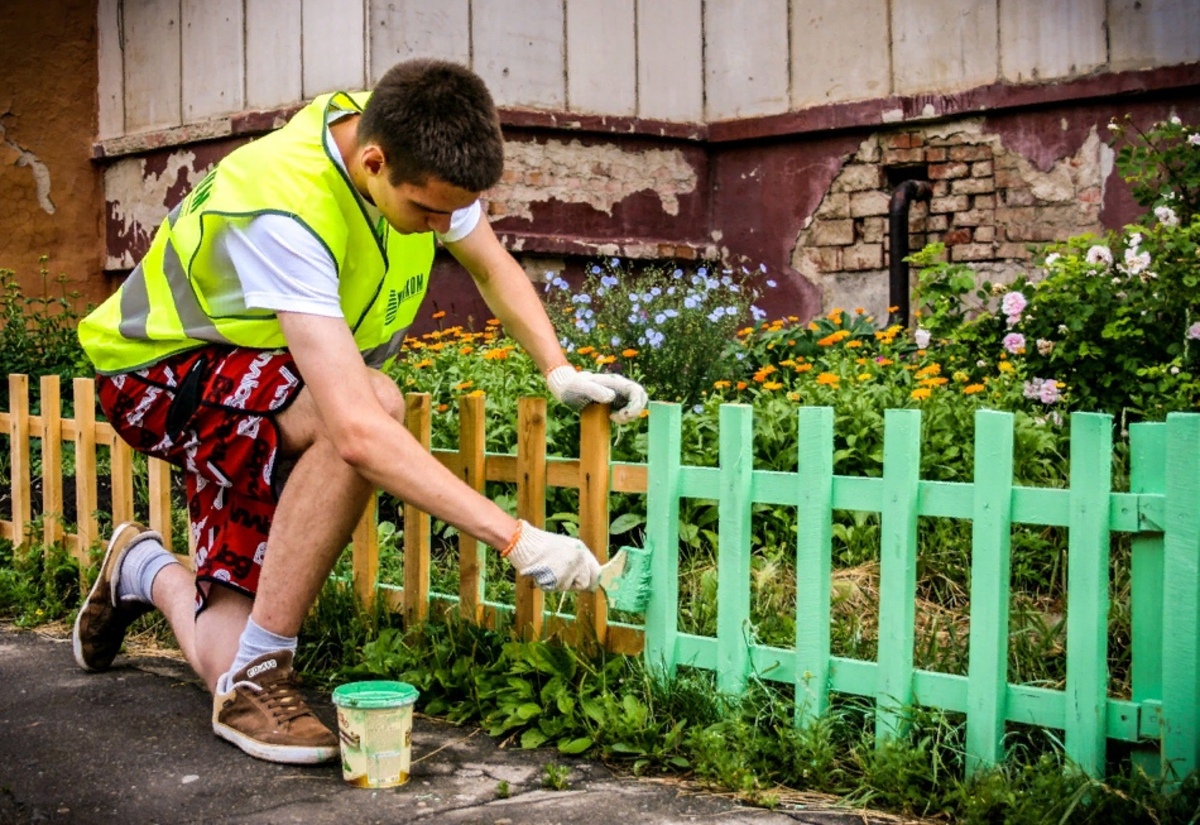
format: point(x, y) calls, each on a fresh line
point(519, 51)
point(333, 46)
point(670, 50)
point(601, 61)
point(111, 63)
point(944, 45)
point(273, 75)
point(1144, 33)
point(839, 51)
point(400, 29)
point(152, 65)
point(745, 58)
point(212, 48)
point(1040, 40)
point(163, 63)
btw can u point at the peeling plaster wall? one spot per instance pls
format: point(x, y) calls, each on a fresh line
point(50, 193)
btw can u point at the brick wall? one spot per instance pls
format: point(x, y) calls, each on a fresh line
point(991, 207)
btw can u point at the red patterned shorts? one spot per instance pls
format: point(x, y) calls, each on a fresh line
point(211, 412)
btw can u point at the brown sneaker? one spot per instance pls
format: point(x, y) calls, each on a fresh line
point(103, 619)
point(264, 714)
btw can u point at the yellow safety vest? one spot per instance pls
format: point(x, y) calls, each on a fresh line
point(166, 305)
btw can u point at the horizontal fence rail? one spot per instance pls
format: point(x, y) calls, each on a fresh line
point(1161, 510)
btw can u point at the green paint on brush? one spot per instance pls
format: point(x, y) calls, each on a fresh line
point(626, 580)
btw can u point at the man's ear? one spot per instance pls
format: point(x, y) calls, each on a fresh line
point(373, 159)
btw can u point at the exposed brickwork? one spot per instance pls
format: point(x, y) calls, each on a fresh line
point(990, 205)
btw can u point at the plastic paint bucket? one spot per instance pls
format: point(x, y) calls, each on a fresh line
point(375, 729)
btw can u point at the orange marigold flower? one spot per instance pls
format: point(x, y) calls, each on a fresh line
point(741, 385)
point(921, 393)
point(441, 313)
point(813, 326)
point(720, 385)
point(466, 350)
point(629, 352)
point(605, 359)
point(497, 354)
point(932, 369)
point(859, 310)
point(933, 382)
point(475, 393)
point(855, 344)
point(828, 378)
point(884, 362)
point(971, 389)
point(424, 362)
point(803, 367)
point(893, 309)
point(462, 385)
point(493, 322)
point(793, 396)
point(443, 407)
point(586, 350)
point(438, 347)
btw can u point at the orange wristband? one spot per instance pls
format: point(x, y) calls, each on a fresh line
point(513, 541)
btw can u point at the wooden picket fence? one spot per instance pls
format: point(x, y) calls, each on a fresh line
point(1162, 511)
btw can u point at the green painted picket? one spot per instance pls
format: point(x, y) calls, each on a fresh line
point(1162, 511)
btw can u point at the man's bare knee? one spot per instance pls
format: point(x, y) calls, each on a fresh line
point(389, 395)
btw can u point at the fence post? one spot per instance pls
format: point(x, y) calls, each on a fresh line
point(364, 554)
point(158, 476)
point(472, 558)
point(18, 432)
point(1147, 474)
point(897, 569)
point(83, 392)
point(991, 546)
point(52, 482)
point(733, 552)
point(591, 614)
point(531, 504)
point(814, 562)
point(662, 538)
point(1181, 598)
point(1087, 590)
point(417, 530)
point(121, 472)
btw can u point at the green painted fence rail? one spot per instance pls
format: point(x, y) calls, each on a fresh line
point(1162, 511)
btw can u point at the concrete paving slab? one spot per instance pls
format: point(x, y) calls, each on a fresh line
point(135, 745)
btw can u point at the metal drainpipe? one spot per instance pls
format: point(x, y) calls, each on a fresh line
point(902, 197)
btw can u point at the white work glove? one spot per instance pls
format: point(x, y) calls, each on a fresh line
point(578, 389)
point(554, 562)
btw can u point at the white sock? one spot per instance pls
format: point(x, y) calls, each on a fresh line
point(140, 566)
point(254, 642)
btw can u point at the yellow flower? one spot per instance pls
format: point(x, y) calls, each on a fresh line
point(921, 393)
point(462, 385)
point(827, 378)
point(932, 369)
point(834, 337)
point(629, 353)
point(961, 377)
point(720, 385)
point(605, 359)
point(1005, 366)
point(933, 382)
point(475, 392)
point(586, 350)
point(772, 385)
point(853, 344)
point(793, 396)
point(971, 389)
point(865, 376)
point(424, 362)
point(498, 354)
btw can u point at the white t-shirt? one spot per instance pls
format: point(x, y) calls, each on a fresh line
point(282, 266)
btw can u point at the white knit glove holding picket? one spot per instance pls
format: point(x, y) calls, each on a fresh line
point(578, 389)
point(554, 562)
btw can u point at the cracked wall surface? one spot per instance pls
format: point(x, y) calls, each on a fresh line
point(991, 206)
point(50, 194)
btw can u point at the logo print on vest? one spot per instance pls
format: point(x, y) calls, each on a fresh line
point(413, 288)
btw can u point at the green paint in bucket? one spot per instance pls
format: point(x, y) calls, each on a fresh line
point(375, 729)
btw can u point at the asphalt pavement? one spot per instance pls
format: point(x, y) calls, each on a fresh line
point(135, 745)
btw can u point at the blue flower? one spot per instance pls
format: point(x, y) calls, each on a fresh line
point(655, 291)
point(691, 302)
point(757, 313)
point(702, 271)
point(608, 281)
point(614, 262)
point(615, 341)
point(677, 274)
point(581, 298)
point(670, 290)
point(660, 318)
point(595, 269)
point(654, 338)
point(699, 408)
point(671, 313)
point(716, 314)
point(771, 282)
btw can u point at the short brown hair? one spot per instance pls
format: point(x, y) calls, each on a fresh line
point(433, 118)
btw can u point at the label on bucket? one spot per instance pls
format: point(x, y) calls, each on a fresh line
point(375, 729)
